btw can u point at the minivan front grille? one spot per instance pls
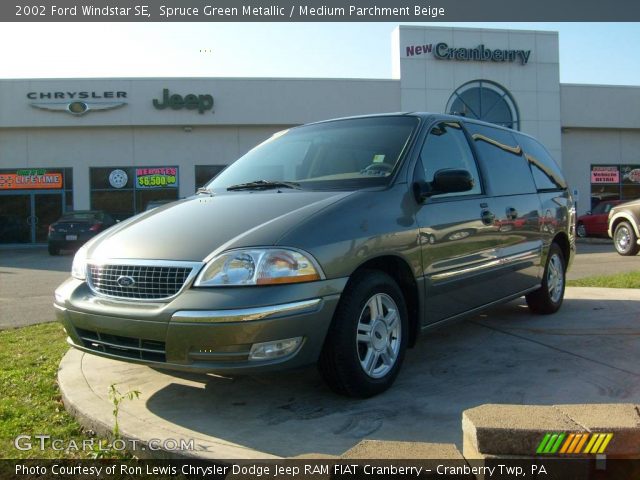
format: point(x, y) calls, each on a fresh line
point(126, 347)
point(140, 282)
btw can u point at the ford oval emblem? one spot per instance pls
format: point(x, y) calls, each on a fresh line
point(125, 281)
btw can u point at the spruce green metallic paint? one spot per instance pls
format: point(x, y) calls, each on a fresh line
point(459, 263)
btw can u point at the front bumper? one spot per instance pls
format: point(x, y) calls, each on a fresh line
point(202, 329)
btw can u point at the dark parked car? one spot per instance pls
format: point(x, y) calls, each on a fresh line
point(596, 222)
point(623, 227)
point(337, 242)
point(74, 228)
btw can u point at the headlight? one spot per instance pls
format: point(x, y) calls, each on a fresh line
point(258, 267)
point(79, 266)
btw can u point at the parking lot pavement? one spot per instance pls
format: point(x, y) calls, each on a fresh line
point(600, 259)
point(586, 353)
point(28, 277)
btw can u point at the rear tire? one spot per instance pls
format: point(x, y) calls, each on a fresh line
point(53, 249)
point(548, 298)
point(625, 239)
point(367, 339)
point(581, 230)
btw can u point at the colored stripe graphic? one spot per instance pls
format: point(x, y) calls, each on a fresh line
point(567, 443)
point(581, 443)
point(543, 443)
point(550, 443)
point(593, 439)
point(556, 446)
point(607, 439)
point(572, 443)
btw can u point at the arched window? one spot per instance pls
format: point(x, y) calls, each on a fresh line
point(487, 101)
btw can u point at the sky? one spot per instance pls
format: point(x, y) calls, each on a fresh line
point(594, 53)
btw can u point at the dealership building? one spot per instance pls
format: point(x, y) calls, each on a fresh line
point(117, 144)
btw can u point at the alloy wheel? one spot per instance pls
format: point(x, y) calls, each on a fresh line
point(555, 278)
point(379, 334)
point(623, 238)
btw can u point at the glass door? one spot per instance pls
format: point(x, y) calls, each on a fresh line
point(47, 208)
point(25, 217)
point(15, 211)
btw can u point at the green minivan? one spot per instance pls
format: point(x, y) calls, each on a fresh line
point(334, 243)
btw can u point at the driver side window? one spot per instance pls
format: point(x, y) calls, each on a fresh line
point(446, 147)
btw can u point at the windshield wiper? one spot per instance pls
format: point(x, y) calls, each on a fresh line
point(264, 185)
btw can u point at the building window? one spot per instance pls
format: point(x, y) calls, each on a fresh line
point(487, 101)
point(614, 182)
point(31, 199)
point(204, 173)
point(125, 191)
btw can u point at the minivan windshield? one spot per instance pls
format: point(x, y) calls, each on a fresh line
point(351, 153)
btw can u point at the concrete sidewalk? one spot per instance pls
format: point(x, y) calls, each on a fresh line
point(587, 353)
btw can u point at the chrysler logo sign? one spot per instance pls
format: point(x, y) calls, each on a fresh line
point(77, 103)
point(125, 281)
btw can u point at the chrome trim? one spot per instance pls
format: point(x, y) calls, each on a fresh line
point(121, 347)
point(244, 314)
point(463, 271)
point(528, 255)
point(195, 270)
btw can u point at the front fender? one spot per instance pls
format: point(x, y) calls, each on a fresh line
point(623, 216)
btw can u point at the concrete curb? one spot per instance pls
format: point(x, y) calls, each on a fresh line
point(89, 410)
point(490, 431)
point(88, 407)
point(389, 450)
point(517, 430)
point(243, 418)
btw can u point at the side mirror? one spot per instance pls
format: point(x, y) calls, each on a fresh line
point(447, 180)
point(588, 213)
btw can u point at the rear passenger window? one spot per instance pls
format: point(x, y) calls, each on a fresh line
point(546, 173)
point(446, 146)
point(504, 166)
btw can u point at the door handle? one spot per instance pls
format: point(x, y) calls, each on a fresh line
point(512, 213)
point(487, 217)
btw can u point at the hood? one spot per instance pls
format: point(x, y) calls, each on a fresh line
point(626, 205)
point(191, 229)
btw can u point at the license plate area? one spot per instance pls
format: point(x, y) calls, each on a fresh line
point(71, 237)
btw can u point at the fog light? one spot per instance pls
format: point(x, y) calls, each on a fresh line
point(270, 350)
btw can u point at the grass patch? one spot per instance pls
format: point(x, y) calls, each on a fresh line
point(619, 280)
point(30, 401)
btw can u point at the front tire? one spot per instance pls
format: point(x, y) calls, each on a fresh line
point(581, 230)
point(625, 239)
point(367, 340)
point(548, 298)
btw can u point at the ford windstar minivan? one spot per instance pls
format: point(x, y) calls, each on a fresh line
point(337, 242)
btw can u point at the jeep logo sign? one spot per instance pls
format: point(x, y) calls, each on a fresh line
point(202, 103)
